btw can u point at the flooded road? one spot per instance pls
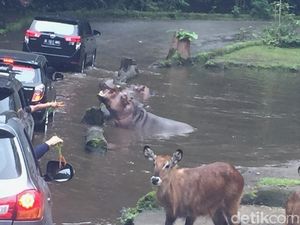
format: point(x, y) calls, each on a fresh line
point(248, 118)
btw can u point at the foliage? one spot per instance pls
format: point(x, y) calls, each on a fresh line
point(261, 9)
point(282, 182)
point(236, 11)
point(147, 202)
point(258, 8)
point(183, 34)
point(283, 31)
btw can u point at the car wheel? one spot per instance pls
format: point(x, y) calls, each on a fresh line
point(93, 59)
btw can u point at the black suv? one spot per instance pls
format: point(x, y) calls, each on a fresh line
point(62, 41)
point(25, 197)
point(12, 98)
point(36, 76)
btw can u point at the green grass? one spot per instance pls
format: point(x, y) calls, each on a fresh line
point(147, 202)
point(282, 182)
point(262, 56)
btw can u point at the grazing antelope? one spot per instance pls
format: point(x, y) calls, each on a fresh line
point(214, 189)
point(292, 208)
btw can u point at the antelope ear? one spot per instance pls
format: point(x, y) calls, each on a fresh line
point(148, 153)
point(177, 156)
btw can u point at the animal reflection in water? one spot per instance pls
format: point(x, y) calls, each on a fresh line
point(127, 111)
point(214, 189)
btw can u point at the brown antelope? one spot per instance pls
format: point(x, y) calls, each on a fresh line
point(292, 208)
point(214, 189)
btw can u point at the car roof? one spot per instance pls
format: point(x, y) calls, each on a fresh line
point(60, 19)
point(23, 57)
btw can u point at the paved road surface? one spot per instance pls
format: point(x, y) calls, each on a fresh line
point(261, 215)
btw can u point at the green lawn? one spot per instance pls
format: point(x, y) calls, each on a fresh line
point(262, 56)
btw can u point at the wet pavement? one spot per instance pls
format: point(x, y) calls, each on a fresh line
point(249, 118)
point(260, 215)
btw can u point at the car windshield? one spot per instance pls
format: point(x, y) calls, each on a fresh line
point(10, 166)
point(55, 27)
point(27, 74)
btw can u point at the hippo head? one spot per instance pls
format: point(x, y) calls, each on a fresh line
point(118, 103)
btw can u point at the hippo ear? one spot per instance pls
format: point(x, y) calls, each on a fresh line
point(148, 153)
point(177, 156)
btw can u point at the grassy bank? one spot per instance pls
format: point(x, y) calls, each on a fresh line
point(258, 56)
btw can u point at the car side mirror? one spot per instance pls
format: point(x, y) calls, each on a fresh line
point(59, 174)
point(57, 76)
point(97, 33)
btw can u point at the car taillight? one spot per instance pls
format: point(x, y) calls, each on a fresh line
point(27, 205)
point(75, 39)
point(38, 93)
point(8, 60)
point(32, 33)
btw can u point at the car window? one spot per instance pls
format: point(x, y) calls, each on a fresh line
point(7, 104)
point(27, 75)
point(17, 102)
point(23, 99)
point(10, 166)
point(56, 27)
point(88, 29)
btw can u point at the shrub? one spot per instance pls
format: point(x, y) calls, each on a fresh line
point(283, 31)
point(261, 9)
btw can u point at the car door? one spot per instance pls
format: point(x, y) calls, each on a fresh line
point(37, 177)
point(26, 118)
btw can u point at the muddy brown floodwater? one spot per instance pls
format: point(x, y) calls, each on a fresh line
point(248, 118)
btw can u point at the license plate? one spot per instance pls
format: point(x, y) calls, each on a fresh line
point(3, 209)
point(51, 42)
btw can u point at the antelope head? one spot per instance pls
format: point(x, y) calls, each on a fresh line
point(163, 164)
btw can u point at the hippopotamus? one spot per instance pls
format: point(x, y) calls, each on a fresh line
point(128, 113)
point(140, 93)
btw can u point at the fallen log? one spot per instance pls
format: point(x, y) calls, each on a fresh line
point(95, 140)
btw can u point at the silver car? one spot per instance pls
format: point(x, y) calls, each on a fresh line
point(25, 197)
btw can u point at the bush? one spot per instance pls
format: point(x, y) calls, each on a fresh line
point(261, 9)
point(282, 33)
point(236, 11)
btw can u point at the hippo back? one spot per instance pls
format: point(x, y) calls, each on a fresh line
point(153, 125)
